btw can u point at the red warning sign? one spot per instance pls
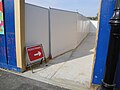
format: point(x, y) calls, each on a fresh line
point(35, 53)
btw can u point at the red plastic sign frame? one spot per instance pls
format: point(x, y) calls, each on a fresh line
point(35, 53)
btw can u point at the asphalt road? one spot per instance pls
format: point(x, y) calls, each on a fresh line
point(10, 81)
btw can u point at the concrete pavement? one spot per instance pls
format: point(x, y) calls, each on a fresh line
point(72, 70)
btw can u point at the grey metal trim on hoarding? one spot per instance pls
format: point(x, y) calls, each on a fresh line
point(49, 20)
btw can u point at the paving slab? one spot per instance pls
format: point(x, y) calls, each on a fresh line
point(76, 71)
point(79, 68)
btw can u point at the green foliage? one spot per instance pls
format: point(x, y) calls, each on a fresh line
point(93, 18)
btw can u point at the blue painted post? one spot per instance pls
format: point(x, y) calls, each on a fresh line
point(10, 31)
point(106, 12)
point(3, 56)
point(7, 37)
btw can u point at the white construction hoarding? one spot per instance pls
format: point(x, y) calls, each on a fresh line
point(57, 30)
point(93, 26)
point(63, 31)
point(83, 27)
point(68, 29)
point(37, 27)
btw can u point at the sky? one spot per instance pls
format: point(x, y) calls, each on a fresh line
point(85, 7)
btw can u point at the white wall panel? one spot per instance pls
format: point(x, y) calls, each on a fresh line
point(68, 29)
point(93, 26)
point(83, 26)
point(36, 27)
point(63, 31)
